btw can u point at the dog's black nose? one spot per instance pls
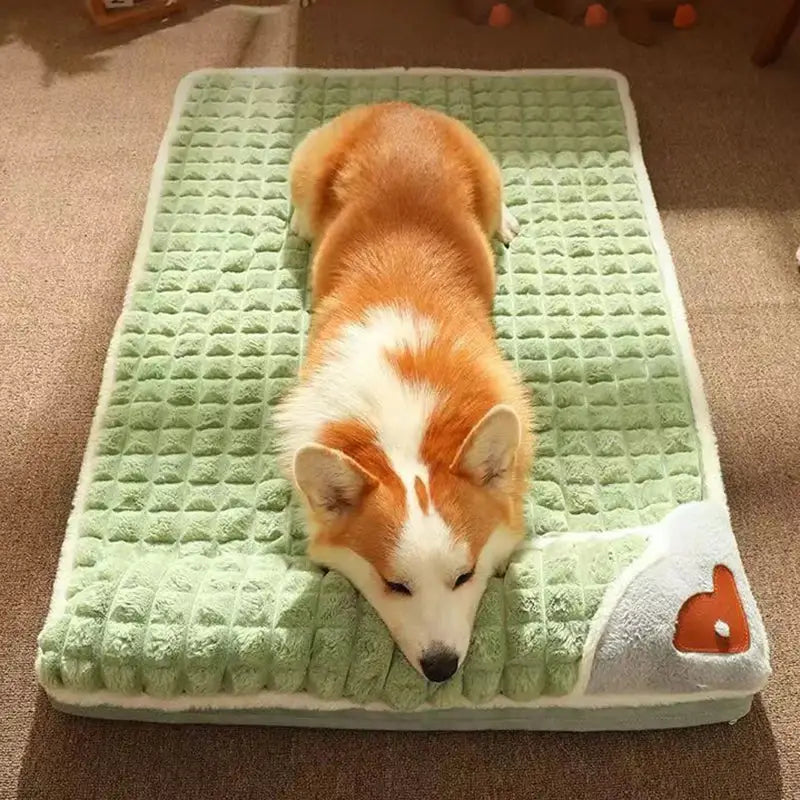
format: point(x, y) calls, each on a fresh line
point(439, 663)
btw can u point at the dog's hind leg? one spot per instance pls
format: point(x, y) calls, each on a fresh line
point(315, 172)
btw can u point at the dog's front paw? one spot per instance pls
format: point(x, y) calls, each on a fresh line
point(509, 226)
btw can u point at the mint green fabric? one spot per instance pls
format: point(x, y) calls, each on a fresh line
point(188, 572)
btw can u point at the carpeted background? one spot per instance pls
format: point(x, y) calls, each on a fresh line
point(81, 116)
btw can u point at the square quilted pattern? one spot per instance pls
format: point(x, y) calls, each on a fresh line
point(188, 568)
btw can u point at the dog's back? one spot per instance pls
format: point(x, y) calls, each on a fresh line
point(382, 168)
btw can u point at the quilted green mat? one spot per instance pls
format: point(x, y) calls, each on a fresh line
point(183, 571)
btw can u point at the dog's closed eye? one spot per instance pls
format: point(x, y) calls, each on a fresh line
point(397, 588)
point(463, 578)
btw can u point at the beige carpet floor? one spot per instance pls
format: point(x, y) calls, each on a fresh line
point(81, 115)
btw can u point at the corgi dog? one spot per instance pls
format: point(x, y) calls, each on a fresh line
point(408, 434)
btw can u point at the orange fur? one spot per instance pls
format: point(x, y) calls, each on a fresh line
point(401, 202)
point(373, 530)
point(422, 495)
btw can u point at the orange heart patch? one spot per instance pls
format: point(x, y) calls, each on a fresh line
point(713, 622)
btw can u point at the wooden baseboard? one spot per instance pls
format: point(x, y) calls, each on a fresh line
point(112, 20)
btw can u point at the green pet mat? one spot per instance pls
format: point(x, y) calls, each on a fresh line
point(183, 582)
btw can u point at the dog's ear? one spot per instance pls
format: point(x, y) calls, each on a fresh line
point(487, 454)
point(331, 481)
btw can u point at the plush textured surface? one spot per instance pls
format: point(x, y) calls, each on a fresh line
point(189, 574)
point(636, 653)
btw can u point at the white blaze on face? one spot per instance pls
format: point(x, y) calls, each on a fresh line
point(437, 614)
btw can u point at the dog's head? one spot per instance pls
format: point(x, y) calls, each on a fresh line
point(420, 540)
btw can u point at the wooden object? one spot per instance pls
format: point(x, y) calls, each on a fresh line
point(112, 20)
point(779, 28)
